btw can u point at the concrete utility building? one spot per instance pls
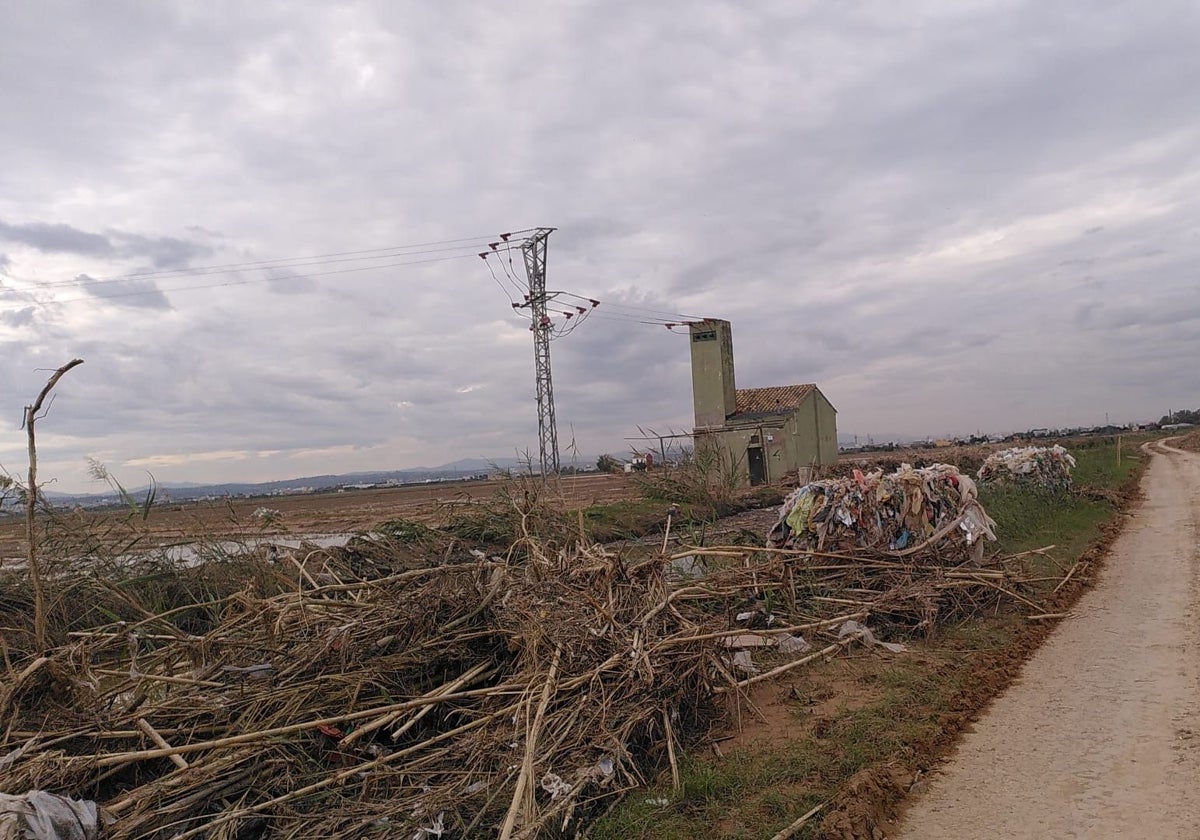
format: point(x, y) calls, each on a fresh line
point(759, 433)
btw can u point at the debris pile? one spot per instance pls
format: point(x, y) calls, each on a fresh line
point(451, 699)
point(902, 511)
point(1035, 465)
point(471, 696)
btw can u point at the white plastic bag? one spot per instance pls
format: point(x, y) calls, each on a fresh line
point(788, 643)
point(853, 627)
point(38, 815)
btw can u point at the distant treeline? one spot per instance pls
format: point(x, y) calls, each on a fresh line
point(1184, 416)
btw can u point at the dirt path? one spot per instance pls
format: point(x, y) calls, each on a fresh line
point(1100, 736)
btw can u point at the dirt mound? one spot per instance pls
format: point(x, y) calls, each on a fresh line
point(866, 803)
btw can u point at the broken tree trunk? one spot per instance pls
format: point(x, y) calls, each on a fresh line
point(31, 492)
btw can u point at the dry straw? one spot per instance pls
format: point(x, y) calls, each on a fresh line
point(475, 696)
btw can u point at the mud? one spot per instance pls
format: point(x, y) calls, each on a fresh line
point(1100, 735)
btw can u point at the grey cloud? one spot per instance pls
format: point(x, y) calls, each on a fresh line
point(200, 230)
point(161, 251)
point(983, 219)
point(18, 318)
point(1132, 314)
point(133, 292)
point(56, 238)
point(285, 281)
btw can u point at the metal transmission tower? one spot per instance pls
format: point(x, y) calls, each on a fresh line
point(534, 251)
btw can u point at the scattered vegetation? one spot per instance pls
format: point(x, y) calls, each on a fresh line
point(608, 464)
point(319, 617)
point(912, 705)
point(690, 493)
point(1190, 441)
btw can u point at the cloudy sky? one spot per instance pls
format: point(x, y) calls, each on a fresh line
point(953, 216)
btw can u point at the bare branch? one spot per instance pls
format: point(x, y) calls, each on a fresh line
point(31, 497)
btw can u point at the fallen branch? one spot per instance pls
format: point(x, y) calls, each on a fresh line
point(791, 830)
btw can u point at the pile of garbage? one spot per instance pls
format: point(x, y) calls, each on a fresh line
point(900, 512)
point(1030, 465)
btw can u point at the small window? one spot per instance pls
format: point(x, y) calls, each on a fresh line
point(707, 335)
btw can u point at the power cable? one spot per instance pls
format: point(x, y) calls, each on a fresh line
point(316, 258)
point(252, 280)
point(676, 316)
point(503, 289)
point(264, 265)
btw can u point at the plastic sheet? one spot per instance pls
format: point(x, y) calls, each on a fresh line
point(38, 815)
point(793, 644)
point(853, 627)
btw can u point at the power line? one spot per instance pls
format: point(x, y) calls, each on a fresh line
point(503, 289)
point(252, 280)
point(287, 263)
point(360, 254)
point(674, 316)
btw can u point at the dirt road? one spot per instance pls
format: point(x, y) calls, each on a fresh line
point(1100, 736)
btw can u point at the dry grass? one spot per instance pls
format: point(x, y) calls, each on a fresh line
point(411, 684)
point(1189, 441)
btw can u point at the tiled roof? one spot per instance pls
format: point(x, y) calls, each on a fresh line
point(778, 400)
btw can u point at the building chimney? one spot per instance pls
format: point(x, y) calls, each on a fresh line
point(712, 371)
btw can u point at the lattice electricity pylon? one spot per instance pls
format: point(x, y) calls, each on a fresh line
point(534, 251)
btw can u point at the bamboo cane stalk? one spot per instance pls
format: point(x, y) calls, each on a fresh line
point(262, 734)
point(524, 779)
point(791, 830)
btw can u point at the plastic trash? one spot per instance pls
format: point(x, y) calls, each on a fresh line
point(742, 660)
point(554, 785)
point(38, 815)
point(435, 829)
point(788, 643)
point(854, 628)
point(1037, 465)
point(249, 671)
point(748, 640)
point(689, 566)
point(899, 511)
point(976, 525)
point(10, 758)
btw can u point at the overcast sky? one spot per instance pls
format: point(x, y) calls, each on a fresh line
point(952, 216)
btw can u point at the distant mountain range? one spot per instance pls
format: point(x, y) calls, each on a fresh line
point(187, 491)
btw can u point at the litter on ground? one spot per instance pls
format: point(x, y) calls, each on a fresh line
point(1046, 466)
point(900, 512)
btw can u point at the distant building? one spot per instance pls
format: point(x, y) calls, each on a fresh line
point(758, 434)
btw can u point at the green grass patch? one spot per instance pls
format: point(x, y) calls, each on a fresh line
point(496, 523)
